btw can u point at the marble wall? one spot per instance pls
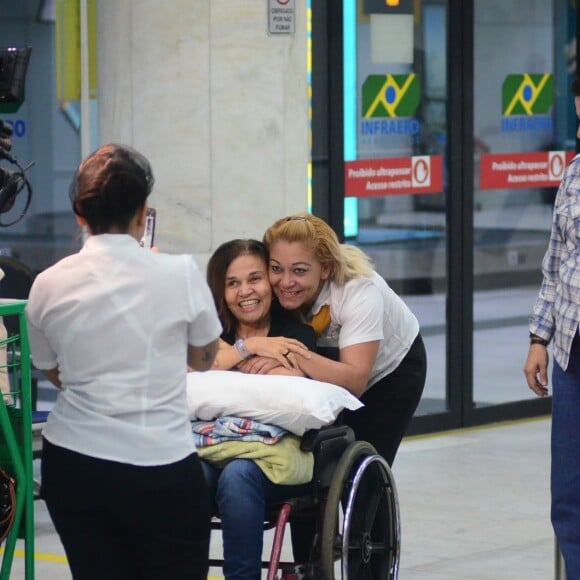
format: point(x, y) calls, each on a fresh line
point(218, 105)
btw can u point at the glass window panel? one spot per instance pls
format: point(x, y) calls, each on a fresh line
point(400, 116)
point(517, 120)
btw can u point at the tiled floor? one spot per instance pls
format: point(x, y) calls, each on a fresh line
point(474, 506)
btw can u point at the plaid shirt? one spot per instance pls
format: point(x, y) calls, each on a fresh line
point(556, 313)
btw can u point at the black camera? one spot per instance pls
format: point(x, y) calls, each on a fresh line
point(13, 67)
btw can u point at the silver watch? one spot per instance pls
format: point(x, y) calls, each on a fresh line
point(240, 346)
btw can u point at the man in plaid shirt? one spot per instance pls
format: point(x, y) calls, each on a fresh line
point(555, 318)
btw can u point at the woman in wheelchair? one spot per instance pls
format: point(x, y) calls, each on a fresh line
point(254, 327)
point(381, 356)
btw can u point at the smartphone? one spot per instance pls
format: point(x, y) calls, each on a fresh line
point(149, 233)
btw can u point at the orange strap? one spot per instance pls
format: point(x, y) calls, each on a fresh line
point(321, 320)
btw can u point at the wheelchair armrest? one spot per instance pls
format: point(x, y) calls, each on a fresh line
point(313, 439)
point(327, 445)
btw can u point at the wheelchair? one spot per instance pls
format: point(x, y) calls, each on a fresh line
point(355, 506)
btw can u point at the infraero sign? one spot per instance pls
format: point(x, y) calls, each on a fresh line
point(389, 103)
point(526, 102)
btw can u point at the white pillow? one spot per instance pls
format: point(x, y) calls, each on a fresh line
point(294, 403)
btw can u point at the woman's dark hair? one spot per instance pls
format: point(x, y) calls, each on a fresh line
point(575, 86)
point(216, 273)
point(110, 186)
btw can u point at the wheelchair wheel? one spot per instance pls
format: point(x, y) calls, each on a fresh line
point(367, 543)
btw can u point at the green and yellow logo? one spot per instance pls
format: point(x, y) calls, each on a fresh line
point(527, 94)
point(390, 96)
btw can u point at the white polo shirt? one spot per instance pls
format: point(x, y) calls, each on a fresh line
point(364, 310)
point(116, 319)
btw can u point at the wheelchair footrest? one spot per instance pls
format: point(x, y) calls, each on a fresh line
point(293, 573)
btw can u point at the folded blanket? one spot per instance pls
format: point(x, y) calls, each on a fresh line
point(284, 463)
point(234, 429)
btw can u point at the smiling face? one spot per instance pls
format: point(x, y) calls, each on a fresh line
point(248, 293)
point(296, 275)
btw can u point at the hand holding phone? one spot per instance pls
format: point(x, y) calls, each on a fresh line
point(149, 233)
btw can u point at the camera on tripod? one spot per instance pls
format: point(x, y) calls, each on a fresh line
point(13, 67)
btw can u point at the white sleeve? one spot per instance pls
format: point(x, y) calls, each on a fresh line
point(361, 314)
point(43, 356)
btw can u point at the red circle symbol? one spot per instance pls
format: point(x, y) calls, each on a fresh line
point(421, 171)
point(556, 166)
point(283, 2)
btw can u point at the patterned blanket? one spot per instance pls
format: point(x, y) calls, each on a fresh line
point(222, 429)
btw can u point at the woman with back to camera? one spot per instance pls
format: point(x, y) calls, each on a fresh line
point(254, 327)
point(333, 286)
point(114, 327)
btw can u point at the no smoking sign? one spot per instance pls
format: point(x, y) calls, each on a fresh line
point(281, 17)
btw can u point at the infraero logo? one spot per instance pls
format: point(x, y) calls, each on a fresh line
point(390, 96)
point(527, 94)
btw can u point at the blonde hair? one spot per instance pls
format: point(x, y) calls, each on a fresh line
point(346, 262)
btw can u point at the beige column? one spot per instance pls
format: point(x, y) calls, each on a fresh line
point(218, 105)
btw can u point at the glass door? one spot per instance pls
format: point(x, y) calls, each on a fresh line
point(395, 134)
point(524, 134)
point(440, 131)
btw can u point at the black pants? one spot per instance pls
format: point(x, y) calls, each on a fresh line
point(389, 404)
point(127, 522)
point(382, 422)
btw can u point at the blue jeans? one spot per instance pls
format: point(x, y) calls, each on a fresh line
point(241, 492)
point(566, 460)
